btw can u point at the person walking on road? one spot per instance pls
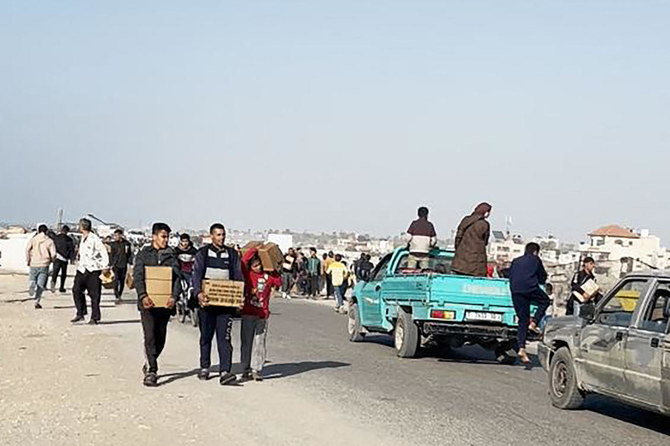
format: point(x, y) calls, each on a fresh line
point(421, 238)
point(121, 255)
point(328, 260)
point(288, 272)
point(155, 320)
point(338, 273)
point(255, 314)
point(93, 259)
point(313, 272)
point(526, 275)
point(64, 255)
point(471, 239)
point(216, 261)
point(40, 252)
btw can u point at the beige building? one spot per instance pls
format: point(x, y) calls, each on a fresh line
point(619, 250)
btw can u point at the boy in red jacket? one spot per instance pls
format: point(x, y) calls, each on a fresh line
point(255, 314)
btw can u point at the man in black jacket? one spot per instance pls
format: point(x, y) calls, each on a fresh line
point(120, 256)
point(219, 262)
point(155, 320)
point(578, 280)
point(525, 277)
point(64, 255)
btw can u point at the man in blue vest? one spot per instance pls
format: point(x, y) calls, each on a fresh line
point(218, 262)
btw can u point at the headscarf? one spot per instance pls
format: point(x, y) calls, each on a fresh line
point(483, 208)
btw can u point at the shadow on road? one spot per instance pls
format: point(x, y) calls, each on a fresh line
point(72, 307)
point(13, 301)
point(126, 321)
point(275, 371)
point(172, 377)
point(628, 414)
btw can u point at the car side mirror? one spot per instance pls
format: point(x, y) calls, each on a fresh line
point(587, 312)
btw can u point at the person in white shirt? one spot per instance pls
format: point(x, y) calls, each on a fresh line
point(93, 259)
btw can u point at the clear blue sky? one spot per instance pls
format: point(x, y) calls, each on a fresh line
point(337, 115)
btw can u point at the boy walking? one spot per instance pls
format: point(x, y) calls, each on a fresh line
point(255, 314)
point(155, 320)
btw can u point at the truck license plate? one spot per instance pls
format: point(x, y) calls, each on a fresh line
point(483, 316)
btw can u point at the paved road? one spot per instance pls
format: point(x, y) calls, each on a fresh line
point(463, 397)
point(321, 389)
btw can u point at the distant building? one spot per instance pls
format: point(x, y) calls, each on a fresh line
point(504, 247)
point(619, 250)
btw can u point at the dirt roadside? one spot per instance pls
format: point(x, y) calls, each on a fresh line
point(82, 385)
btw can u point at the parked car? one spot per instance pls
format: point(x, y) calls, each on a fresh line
point(619, 348)
point(433, 305)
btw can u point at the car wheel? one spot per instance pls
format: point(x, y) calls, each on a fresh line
point(563, 388)
point(406, 335)
point(354, 324)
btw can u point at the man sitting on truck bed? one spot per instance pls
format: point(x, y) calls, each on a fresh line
point(421, 239)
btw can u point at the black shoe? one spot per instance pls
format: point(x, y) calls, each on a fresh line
point(203, 374)
point(256, 376)
point(227, 378)
point(247, 376)
point(38, 306)
point(92, 322)
point(77, 319)
point(151, 379)
point(62, 291)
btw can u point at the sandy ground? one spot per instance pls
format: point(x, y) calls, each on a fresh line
point(65, 384)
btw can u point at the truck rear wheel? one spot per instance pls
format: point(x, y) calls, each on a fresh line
point(563, 389)
point(406, 335)
point(354, 327)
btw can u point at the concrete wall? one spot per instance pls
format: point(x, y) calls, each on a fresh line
point(13, 250)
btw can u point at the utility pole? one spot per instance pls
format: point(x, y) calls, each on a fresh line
point(59, 219)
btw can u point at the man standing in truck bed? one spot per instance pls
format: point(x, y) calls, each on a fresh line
point(421, 239)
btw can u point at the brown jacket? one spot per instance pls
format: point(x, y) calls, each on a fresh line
point(471, 240)
point(40, 251)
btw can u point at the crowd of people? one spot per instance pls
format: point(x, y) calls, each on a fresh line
point(329, 275)
point(302, 274)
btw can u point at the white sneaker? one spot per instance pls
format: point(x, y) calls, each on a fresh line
point(283, 295)
point(288, 296)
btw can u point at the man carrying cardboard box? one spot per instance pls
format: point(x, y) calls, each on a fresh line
point(216, 261)
point(158, 286)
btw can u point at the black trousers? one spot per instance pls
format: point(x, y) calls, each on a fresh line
point(87, 281)
point(329, 285)
point(154, 326)
point(522, 303)
point(119, 281)
point(60, 267)
point(313, 285)
point(216, 321)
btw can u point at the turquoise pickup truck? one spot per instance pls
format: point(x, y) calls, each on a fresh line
point(433, 305)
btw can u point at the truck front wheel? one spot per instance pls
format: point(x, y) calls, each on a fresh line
point(406, 335)
point(563, 388)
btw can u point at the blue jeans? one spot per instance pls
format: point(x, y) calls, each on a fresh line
point(339, 295)
point(37, 279)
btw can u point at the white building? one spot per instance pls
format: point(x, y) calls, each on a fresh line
point(618, 250)
point(504, 247)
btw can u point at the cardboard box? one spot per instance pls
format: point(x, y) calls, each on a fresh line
point(224, 293)
point(159, 284)
point(269, 253)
